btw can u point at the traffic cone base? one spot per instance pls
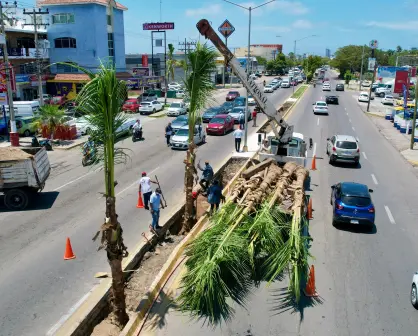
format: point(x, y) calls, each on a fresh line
point(313, 167)
point(68, 254)
point(140, 203)
point(310, 290)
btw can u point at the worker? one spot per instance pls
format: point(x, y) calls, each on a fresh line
point(194, 211)
point(145, 188)
point(238, 134)
point(264, 83)
point(241, 121)
point(207, 175)
point(156, 201)
point(168, 133)
point(215, 196)
point(254, 115)
point(265, 148)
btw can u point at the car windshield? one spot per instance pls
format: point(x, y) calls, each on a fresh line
point(228, 104)
point(183, 132)
point(359, 201)
point(176, 105)
point(232, 92)
point(321, 104)
point(180, 119)
point(347, 144)
point(145, 104)
point(218, 121)
point(129, 103)
point(237, 110)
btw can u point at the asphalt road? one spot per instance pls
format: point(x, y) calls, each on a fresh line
point(37, 287)
point(363, 276)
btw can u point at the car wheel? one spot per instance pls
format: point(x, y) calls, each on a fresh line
point(153, 111)
point(331, 160)
point(334, 222)
point(382, 95)
point(414, 296)
point(26, 133)
point(224, 131)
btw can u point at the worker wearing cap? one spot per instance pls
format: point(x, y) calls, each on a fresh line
point(145, 188)
point(207, 175)
point(156, 202)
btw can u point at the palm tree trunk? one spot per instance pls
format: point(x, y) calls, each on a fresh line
point(188, 183)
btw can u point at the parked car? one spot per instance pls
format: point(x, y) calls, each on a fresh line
point(414, 290)
point(131, 105)
point(343, 148)
point(364, 97)
point(240, 101)
point(180, 140)
point(320, 107)
point(228, 106)
point(220, 124)
point(25, 126)
point(232, 95)
point(69, 120)
point(331, 99)
point(237, 112)
point(388, 100)
point(366, 83)
point(149, 107)
point(83, 126)
point(211, 112)
point(352, 204)
point(251, 100)
point(176, 109)
point(147, 97)
point(339, 87)
point(180, 94)
point(174, 86)
point(58, 100)
point(268, 88)
point(179, 122)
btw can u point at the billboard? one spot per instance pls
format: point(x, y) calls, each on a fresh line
point(372, 64)
point(140, 72)
point(137, 83)
point(388, 71)
point(158, 26)
point(401, 80)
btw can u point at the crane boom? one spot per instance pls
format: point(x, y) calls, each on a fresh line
point(275, 117)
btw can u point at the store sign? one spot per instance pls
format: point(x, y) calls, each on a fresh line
point(3, 78)
point(137, 83)
point(372, 64)
point(158, 26)
point(3, 98)
point(141, 72)
point(22, 79)
point(401, 80)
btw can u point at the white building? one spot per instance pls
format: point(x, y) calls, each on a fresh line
point(267, 51)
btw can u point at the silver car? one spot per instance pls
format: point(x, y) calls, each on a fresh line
point(343, 148)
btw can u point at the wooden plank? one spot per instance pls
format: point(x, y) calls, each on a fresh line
point(257, 168)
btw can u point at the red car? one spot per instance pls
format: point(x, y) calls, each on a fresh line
point(131, 105)
point(220, 124)
point(232, 95)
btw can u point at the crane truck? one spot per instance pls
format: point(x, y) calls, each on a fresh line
point(284, 143)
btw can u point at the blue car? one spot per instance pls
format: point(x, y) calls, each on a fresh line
point(352, 204)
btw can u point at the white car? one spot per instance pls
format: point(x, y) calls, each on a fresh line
point(176, 109)
point(268, 88)
point(180, 94)
point(174, 86)
point(366, 83)
point(150, 107)
point(320, 107)
point(83, 126)
point(251, 101)
point(364, 97)
point(326, 87)
point(388, 100)
point(285, 84)
point(414, 289)
point(180, 140)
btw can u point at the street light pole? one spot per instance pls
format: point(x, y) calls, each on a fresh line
point(245, 147)
point(294, 51)
point(361, 69)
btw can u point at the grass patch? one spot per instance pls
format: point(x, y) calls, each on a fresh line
point(299, 92)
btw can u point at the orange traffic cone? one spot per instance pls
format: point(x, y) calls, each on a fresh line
point(313, 163)
point(140, 202)
point(69, 254)
point(310, 208)
point(310, 289)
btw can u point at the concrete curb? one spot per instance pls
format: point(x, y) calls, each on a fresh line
point(157, 115)
point(70, 146)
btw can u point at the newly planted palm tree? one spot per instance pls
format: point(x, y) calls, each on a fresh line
point(50, 116)
point(199, 88)
point(171, 63)
point(101, 101)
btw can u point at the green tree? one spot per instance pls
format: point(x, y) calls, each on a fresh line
point(101, 101)
point(398, 49)
point(311, 63)
point(171, 63)
point(261, 60)
point(199, 88)
point(50, 116)
point(348, 76)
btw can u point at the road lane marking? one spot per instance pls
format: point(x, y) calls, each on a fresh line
point(349, 120)
point(353, 128)
point(136, 182)
point(391, 219)
point(75, 180)
point(345, 108)
point(347, 113)
point(374, 179)
point(365, 156)
point(314, 149)
point(317, 123)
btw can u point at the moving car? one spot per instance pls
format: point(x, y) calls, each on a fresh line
point(331, 99)
point(320, 107)
point(179, 122)
point(364, 97)
point(251, 100)
point(25, 126)
point(339, 87)
point(240, 101)
point(211, 112)
point(176, 109)
point(414, 293)
point(232, 95)
point(220, 124)
point(343, 148)
point(268, 88)
point(148, 107)
point(285, 83)
point(228, 106)
point(180, 94)
point(131, 105)
point(365, 83)
point(388, 100)
point(352, 204)
point(237, 111)
point(326, 87)
point(180, 140)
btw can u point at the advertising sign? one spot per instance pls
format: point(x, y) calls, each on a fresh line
point(3, 98)
point(226, 29)
point(413, 71)
point(372, 64)
point(141, 72)
point(373, 44)
point(22, 79)
point(158, 26)
point(145, 60)
point(137, 83)
point(401, 80)
point(385, 72)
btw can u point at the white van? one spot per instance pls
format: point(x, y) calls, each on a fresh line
point(24, 108)
point(285, 83)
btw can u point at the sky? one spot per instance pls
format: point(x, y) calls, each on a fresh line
point(334, 22)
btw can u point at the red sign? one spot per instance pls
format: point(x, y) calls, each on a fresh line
point(3, 77)
point(158, 26)
point(401, 79)
point(144, 60)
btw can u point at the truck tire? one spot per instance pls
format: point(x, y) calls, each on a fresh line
point(16, 199)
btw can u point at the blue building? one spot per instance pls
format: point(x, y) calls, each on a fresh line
point(83, 32)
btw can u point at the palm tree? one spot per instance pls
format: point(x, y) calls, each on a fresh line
point(50, 116)
point(183, 65)
point(101, 101)
point(199, 88)
point(171, 63)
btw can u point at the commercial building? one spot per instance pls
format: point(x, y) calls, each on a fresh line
point(328, 53)
point(267, 51)
point(85, 33)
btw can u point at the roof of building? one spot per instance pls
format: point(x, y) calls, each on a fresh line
point(78, 2)
point(19, 26)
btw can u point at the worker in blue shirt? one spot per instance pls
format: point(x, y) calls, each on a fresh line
point(215, 196)
point(155, 202)
point(207, 175)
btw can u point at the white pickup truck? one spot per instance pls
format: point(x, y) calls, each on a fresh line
point(23, 172)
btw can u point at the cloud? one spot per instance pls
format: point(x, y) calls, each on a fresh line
point(202, 11)
point(344, 30)
point(407, 25)
point(302, 24)
point(290, 7)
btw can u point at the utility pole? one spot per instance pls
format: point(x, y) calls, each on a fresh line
point(414, 118)
point(361, 69)
point(186, 48)
point(37, 55)
point(374, 75)
point(14, 136)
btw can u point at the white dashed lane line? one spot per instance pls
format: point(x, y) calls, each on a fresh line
point(349, 120)
point(391, 219)
point(314, 149)
point(365, 156)
point(374, 179)
point(353, 128)
point(317, 123)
